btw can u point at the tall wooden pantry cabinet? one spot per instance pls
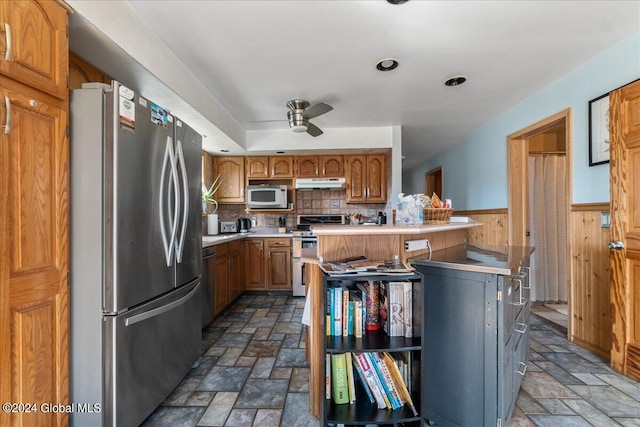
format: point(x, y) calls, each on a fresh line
point(34, 207)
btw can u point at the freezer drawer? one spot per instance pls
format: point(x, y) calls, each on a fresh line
point(149, 350)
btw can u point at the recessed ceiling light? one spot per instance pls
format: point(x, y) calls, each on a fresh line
point(224, 151)
point(397, 1)
point(387, 64)
point(455, 81)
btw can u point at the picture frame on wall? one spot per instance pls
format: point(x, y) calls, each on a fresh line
point(599, 130)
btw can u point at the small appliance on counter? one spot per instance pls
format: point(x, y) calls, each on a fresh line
point(282, 224)
point(228, 227)
point(244, 224)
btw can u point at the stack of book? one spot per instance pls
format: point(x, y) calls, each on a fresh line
point(383, 377)
point(353, 312)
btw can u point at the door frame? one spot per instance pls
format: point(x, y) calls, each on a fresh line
point(518, 176)
point(430, 179)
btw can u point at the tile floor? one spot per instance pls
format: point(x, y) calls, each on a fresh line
point(253, 373)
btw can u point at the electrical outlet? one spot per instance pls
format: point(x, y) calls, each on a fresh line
point(416, 245)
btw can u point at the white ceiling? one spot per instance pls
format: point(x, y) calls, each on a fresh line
point(254, 56)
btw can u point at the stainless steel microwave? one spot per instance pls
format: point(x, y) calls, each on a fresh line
point(267, 197)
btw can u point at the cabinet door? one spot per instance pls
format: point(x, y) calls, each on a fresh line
point(281, 167)
point(221, 298)
point(236, 272)
point(376, 181)
point(307, 166)
point(332, 166)
point(82, 72)
point(254, 264)
point(34, 218)
point(356, 176)
point(38, 47)
point(231, 170)
point(257, 167)
point(278, 265)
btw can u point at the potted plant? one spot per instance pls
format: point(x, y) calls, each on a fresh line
point(208, 199)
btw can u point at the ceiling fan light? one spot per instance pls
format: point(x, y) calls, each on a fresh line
point(299, 128)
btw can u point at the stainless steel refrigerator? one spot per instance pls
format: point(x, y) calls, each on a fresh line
point(136, 254)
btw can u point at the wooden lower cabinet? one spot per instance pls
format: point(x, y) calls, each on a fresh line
point(229, 275)
point(268, 264)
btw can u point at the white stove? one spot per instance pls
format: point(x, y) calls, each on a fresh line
point(304, 238)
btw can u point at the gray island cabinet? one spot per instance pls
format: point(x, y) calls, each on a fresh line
point(475, 344)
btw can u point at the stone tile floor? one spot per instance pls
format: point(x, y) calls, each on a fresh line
point(253, 372)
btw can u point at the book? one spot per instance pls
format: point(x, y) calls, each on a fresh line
point(350, 380)
point(369, 376)
point(327, 377)
point(396, 309)
point(350, 317)
point(408, 309)
point(399, 382)
point(363, 381)
point(357, 314)
point(361, 292)
point(339, 381)
point(329, 321)
point(337, 311)
point(386, 380)
point(383, 307)
point(345, 312)
point(371, 360)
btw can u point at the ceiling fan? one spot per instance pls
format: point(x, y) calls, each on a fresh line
point(299, 114)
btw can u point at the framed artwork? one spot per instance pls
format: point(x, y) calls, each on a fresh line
point(599, 130)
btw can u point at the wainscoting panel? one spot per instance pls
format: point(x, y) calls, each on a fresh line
point(494, 230)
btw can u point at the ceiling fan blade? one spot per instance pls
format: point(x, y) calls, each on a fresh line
point(313, 130)
point(267, 121)
point(316, 110)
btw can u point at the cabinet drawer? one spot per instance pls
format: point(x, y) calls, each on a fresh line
point(279, 242)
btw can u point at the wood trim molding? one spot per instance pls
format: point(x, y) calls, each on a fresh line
point(495, 211)
point(588, 207)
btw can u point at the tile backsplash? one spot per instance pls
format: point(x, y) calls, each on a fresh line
point(307, 202)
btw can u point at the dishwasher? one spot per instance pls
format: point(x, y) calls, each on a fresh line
point(208, 283)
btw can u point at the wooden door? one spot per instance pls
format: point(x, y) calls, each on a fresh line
point(433, 182)
point(257, 167)
point(231, 170)
point(376, 179)
point(38, 48)
point(355, 179)
point(34, 219)
point(307, 166)
point(281, 167)
point(236, 270)
point(332, 166)
point(279, 268)
point(254, 264)
point(624, 110)
point(221, 293)
point(81, 72)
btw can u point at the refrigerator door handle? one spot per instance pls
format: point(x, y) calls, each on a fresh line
point(159, 310)
point(168, 242)
point(185, 199)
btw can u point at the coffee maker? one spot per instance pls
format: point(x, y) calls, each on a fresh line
point(244, 224)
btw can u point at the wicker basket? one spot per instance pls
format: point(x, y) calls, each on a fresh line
point(437, 215)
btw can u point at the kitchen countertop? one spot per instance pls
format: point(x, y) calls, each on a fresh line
point(216, 239)
point(320, 230)
point(493, 259)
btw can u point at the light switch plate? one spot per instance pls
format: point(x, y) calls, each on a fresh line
point(605, 219)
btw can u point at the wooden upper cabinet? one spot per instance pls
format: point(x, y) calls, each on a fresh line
point(281, 167)
point(231, 170)
point(269, 167)
point(366, 179)
point(257, 167)
point(34, 252)
point(81, 72)
point(320, 166)
point(34, 46)
point(308, 166)
point(332, 166)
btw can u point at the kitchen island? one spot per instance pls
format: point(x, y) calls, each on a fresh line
point(375, 242)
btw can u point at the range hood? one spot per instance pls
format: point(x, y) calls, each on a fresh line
point(320, 183)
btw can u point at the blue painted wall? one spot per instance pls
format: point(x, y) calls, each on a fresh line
point(475, 169)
